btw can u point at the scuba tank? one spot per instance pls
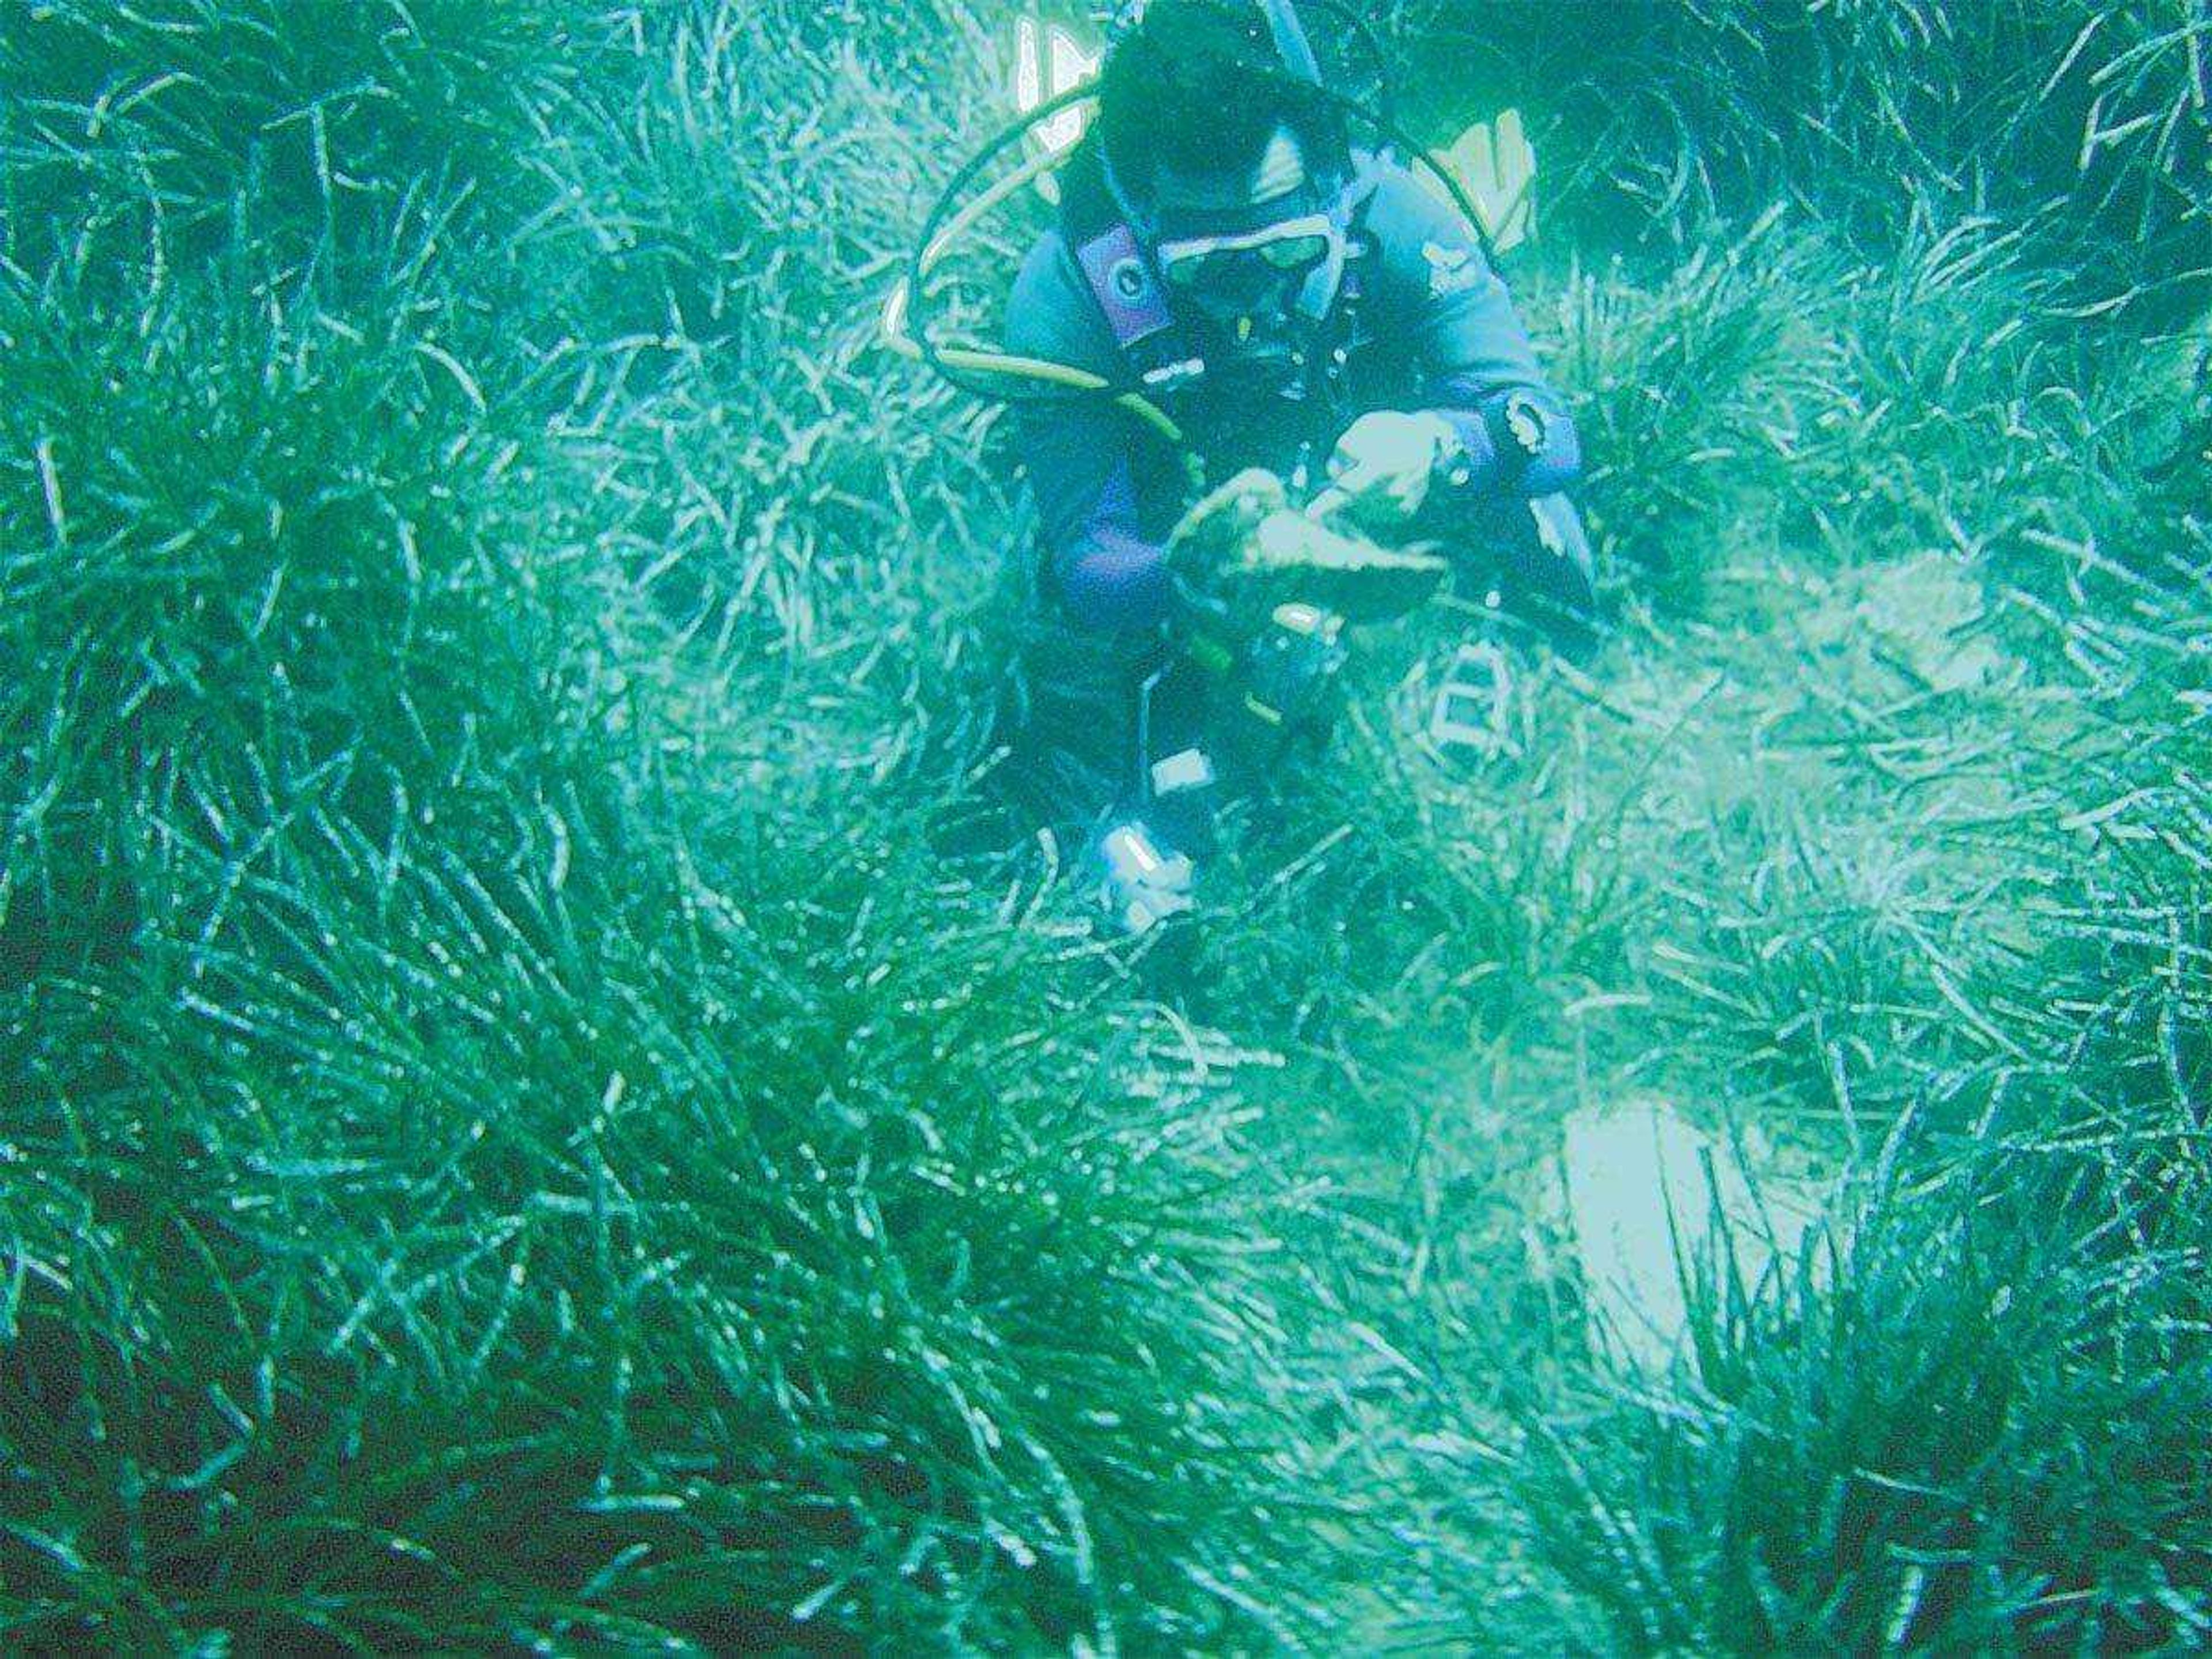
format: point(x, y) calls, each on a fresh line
point(1292, 44)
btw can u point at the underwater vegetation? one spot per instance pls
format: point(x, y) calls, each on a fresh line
point(547, 1102)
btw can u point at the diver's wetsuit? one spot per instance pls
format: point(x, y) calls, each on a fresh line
point(1425, 325)
point(1432, 329)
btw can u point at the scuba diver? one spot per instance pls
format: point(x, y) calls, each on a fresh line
point(1296, 303)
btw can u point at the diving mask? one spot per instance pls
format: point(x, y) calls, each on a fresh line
point(1251, 265)
point(1250, 270)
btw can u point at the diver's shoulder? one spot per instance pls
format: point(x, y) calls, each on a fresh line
point(1404, 207)
point(1048, 278)
point(1047, 291)
point(1050, 312)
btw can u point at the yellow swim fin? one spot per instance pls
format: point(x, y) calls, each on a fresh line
point(1496, 166)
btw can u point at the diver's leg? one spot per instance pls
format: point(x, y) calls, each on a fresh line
point(1072, 732)
point(1179, 790)
point(1534, 558)
point(1528, 565)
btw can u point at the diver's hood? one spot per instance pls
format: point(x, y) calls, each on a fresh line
point(1333, 173)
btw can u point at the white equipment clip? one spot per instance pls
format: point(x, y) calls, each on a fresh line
point(1473, 706)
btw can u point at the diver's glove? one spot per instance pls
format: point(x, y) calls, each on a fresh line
point(1383, 467)
point(1245, 549)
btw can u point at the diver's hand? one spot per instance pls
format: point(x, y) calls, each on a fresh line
point(1214, 533)
point(1383, 467)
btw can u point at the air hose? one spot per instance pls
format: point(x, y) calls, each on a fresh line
point(942, 230)
point(919, 347)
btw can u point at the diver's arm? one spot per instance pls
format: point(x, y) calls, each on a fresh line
point(1486, 453)
point(1474, 356)
point(1078, 452)
point(1492, 460)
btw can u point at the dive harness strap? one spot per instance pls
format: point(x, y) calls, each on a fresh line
point(1135, 308)
point(1121, 278)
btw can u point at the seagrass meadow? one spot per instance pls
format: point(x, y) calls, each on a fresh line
point(548, 1102)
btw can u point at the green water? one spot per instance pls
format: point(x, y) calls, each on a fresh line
point(549, 1100)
